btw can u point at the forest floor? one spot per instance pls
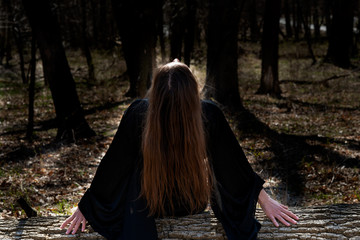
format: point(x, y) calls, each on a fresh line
point(309, 155)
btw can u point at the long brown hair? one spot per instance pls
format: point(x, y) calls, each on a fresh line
point(173, 143)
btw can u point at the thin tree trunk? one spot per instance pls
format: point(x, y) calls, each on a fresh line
point(269, 83)
point(19, 44)
point(298, 16)
point(328, 6)
point(317, 33)
point(304, 21)
point(287, 19)
point(341, 35)
point(16, 33)
point(85, 44)
point(96, 31)
point(355, 49)
point(69, 113)
point(6, 46)
point(254, 28)
point(295, 21)
point(190, 30)
point(222, 54)
point(30, 126)
point(160, 30)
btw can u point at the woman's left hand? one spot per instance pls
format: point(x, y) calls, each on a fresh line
point(75, 219)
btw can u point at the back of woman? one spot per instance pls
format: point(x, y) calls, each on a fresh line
point(173, 144)
point(172, 155)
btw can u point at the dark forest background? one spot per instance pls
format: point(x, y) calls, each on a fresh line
point(286, 73)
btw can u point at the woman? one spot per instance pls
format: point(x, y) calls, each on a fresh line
point(171, 155)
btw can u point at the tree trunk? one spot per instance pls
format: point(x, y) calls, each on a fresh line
point(189, 37)
point(85, 44)
point(20, 47)
point(304, 15)
point(160, 30)
point(319, 222)
point(182, 29)
point(96, 29)
point(355, 50)
point(30, 126)
point(287, 19)
point(295, 21)
point(177, 28)
point(105, 23)
point(327, 10)
point(5, 46)
point(316, 20)
point(136, 21)
point(341, 35)
point(222, 54)
point(254, 27)
point(17, 34)
point(69, 113)
point(269, 83)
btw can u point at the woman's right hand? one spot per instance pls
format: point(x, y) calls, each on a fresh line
point(276, 211)
point(75, 219)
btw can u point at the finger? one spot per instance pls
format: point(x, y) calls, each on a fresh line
point(71, 226)
point(83, 225)
point(284, 206)
point(283, 221)
point(67, 221)
point(78, 222)
point(291, 214)
point(274, 221)
point(288, 218)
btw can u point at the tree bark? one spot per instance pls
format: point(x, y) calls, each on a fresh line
point(30, 126)
point(160, 30)
point(327, 11)
point(222, 54)
point(96, 18)
point(341, 34)
point(304, 16)
point(5, 46)
point(295, 21)
point(182, 29)
point(320, 222)
point(17, 34)
point(254, 27)
point(136, 20)
point(69, 113)
point(269, 83)
point(316, 20)
point(85, 44)
point(287, 19)
point(189, 36)
point(177, 28)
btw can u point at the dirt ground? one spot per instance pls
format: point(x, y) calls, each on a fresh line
point(309, 154)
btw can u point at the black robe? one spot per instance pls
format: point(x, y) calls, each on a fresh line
point(112, 205)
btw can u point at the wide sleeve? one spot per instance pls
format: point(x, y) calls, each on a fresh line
point(104, 203)
point(237, 186)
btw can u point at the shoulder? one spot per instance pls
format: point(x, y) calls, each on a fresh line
point(138, 106)
point(210, 109)
point(136, 111)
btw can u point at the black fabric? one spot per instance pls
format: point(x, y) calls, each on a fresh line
point(112, 205)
